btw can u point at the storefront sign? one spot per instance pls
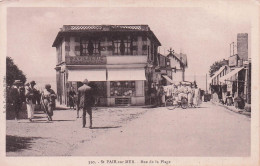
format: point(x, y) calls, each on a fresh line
point(86, 60)
point(232, 60)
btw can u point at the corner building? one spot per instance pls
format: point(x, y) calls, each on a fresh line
point(116, 59)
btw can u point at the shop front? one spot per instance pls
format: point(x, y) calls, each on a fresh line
point(113, 85)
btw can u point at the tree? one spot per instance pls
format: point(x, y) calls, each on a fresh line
point(13, 72)
point(215, 67)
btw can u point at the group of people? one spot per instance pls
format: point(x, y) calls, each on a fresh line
point(189, 91)
point(21, 93)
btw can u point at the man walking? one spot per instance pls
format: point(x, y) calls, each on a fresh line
point(16, 101)
point(31, 93)
point(85, 102)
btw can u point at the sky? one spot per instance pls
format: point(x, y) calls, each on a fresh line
point(204, 34)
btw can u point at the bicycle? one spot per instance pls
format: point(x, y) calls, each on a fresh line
point(173, 103)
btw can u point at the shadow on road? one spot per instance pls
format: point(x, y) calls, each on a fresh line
point(61, 120)
point(107, 127)
point(15, 143)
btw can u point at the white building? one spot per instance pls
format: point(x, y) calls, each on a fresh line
point(178, 65)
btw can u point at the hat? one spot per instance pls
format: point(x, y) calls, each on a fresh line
point(47, 86)
point(17, 82)
point(27, 84)
point(85, 81)
point(33, 82)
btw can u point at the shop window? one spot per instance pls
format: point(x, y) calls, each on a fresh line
point(122, 88)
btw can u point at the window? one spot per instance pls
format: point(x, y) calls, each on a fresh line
point(116, 47)
point(84, 47)
point(125, 46)
point(145, 46)
point(152, 52)
point(134, 46)
point(122, 88)
point(90, 47)
point(96, 48)
point(122, 47)
point(128, 46)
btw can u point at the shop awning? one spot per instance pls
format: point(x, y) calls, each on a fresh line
point(168, 79)
point(230, 74)
point(217, 73)
point(126, 74)
point(90, 74)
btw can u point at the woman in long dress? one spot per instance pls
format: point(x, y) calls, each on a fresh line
point(190, 96)
point(196, 100)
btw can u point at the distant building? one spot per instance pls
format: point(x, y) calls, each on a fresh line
point(163, 70)
point(179, 63)
point(119, 60)
point(235, 77)
point(242, 46)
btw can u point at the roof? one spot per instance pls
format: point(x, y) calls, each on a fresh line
point(218, 72)
point(182, 58)
point(103, 28)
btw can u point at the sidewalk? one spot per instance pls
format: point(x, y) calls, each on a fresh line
point(234, 109)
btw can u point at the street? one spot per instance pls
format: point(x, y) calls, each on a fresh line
point(206, 131)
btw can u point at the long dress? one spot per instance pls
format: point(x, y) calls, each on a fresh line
point(196, 100)
point(190, 96)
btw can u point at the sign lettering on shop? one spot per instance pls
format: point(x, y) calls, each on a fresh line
point(85, 60)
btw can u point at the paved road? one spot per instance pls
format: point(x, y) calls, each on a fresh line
point(207, 131)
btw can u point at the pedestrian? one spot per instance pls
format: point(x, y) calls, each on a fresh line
point(153, 95)
point(85, 102)
point(15, 98)
point(48, 98)
point(190, 95)
point(31, 94)
point(196, 100)
point(72, 95)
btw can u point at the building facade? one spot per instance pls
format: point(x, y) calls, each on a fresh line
point(235, 76)
point(178, 63)
point(163, 70)
point(116, 59)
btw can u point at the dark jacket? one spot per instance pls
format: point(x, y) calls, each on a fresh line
point(31, 95)
point(15, 97)
point(85, 97)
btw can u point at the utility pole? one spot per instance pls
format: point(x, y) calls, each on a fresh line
point(233, 47)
